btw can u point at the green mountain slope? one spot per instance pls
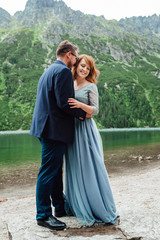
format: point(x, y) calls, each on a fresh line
point(129, 64)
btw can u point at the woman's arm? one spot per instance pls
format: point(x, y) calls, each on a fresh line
point(93, 106)
point(76, 104)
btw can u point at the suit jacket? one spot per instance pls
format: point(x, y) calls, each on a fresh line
point(53, 118)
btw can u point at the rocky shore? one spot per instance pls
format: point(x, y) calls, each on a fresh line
point(137, 199)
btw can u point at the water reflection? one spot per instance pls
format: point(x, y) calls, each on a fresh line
point(125, 152)
point(131, 151)
point(126, 138)
point(17, 148)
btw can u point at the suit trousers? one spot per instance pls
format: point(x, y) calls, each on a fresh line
point(49, 181)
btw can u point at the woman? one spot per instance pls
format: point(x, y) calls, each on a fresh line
point(87, 189)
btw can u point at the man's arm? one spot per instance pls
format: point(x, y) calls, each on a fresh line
point(63, 90)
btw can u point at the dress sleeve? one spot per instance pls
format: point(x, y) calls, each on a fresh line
point(93, 99)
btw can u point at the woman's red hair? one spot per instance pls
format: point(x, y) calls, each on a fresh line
point(94, 72)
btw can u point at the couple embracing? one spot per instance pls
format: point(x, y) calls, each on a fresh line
point(63, 123)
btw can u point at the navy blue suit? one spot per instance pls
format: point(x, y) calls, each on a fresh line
point(53, 124)
point(53, 118)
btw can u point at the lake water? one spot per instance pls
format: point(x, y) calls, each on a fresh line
point(126, 151)
point(17, 148)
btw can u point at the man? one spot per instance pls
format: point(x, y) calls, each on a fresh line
point(53, 124)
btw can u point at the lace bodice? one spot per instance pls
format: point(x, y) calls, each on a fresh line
point(88, 95)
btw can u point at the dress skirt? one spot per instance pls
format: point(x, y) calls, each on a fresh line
point(87, 188)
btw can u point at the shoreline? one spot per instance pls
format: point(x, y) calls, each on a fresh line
point(19, 131)
point(134, 174)
point(121, 163)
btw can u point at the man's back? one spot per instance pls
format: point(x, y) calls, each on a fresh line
point(50, 119)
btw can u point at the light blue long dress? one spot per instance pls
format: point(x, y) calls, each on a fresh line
point(87, 188)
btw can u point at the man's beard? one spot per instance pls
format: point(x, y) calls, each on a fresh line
point(69, 65)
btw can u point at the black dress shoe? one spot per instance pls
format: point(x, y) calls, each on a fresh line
point(51, 223)
point(61, 213)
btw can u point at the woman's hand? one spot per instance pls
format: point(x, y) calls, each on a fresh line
point(74, 103)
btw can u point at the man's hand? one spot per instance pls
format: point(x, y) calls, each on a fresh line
point(88, 115)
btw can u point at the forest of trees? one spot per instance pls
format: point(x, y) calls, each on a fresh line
point(128, 91)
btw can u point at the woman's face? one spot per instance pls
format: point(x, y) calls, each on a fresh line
point(83, 69)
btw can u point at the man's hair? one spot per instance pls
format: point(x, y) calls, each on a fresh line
point(64, 47)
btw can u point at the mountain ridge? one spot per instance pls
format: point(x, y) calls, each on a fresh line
point(125, 53)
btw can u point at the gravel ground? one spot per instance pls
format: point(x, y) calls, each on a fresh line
point(137, 199)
